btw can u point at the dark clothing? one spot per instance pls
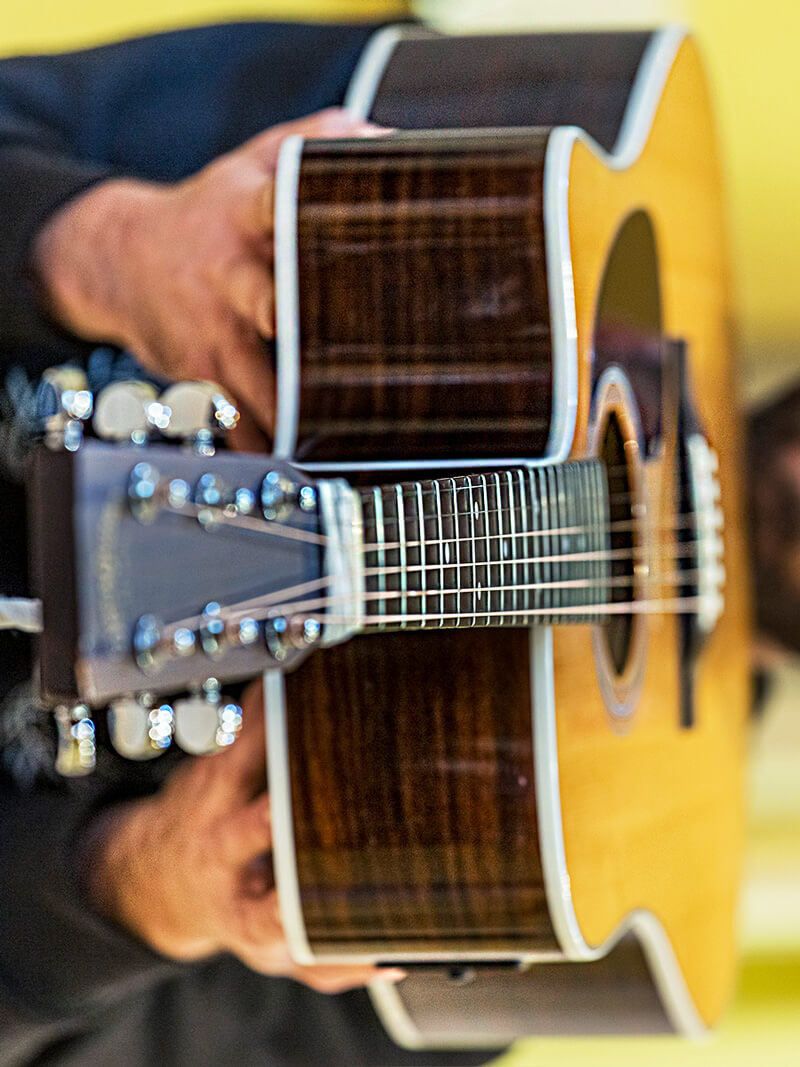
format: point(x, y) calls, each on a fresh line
point(74, 989)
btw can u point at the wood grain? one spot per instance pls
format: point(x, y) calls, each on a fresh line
point(424, 319)
point(413, 796)
point(653, 815)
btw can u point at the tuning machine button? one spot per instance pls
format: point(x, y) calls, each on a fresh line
point(196, 413)
point(64, 402)
point(121, 411)
point(206, 721)
point(76, 755)
point(139, 730)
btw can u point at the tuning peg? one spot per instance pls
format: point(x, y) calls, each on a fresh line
point(198, 412)
point(64, 402)
point(123, 411)
point(138, 730)
point(76, 755)
point(206, 721)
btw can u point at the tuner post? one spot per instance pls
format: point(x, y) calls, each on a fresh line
point(64, 402)
point(197, 413)
point(138, 729)
point(77, 752)
point(206, 722)
point(123, 412)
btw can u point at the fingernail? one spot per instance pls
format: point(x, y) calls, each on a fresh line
point(392, 974)
point(370, 130)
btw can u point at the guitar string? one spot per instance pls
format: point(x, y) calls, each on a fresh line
point(656, 606)
point(619, 581)
point(651, 606)
point(277, 529)
point(217, 518)
point(685, 522)
point(280, 599)
point(283, 597)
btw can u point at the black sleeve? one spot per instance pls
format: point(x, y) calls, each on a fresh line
point(40, 109)
point(156, 108)
point(58, 959)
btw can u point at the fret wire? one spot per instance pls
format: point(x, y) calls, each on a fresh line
point(440, 528)
point(422, 551)
point(456, 542)
point(513, 522)
point(484, 492)
point(502, 544)
point(546, 542)
point(523, 515)
point(404, 569)
point(379, 529)
point(473, 550)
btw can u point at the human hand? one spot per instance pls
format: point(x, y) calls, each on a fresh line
point(181, 274)
point(187, 870)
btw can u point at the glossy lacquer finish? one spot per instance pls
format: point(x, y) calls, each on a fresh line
point(413, 794)
point(408, 751)
point(423, 305)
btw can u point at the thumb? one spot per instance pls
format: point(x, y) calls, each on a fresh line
point(247, 833)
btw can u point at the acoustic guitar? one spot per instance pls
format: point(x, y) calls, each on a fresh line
point(494, 571)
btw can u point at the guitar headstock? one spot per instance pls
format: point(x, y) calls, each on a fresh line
point(160, 568)
point(165, 571)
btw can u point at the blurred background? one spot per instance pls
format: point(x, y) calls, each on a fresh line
point(751, 53)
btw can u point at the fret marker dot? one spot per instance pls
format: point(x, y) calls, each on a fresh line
point(476, 511)
point(505, 550)
point(480, 591)
point(447, 552)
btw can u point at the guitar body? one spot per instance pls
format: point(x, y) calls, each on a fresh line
point(557, 810)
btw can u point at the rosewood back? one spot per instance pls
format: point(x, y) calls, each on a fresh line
point(423, 299)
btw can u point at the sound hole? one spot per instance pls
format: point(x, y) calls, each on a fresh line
point(619, 629)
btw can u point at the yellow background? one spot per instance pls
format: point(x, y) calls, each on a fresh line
point(752, 54)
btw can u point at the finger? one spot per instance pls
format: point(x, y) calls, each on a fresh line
point(258, 877)
point(253, 210)
point(332, 979)
point(332, 122)
point(246, 435)
point(249, 290)
point(239, 774)
point(246, 834)
point(246, 370)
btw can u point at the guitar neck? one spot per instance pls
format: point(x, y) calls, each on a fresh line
point(509, 548)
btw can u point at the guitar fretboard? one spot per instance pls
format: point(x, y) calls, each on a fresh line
point(509, 548)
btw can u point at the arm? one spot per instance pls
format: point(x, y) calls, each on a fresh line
point(58, 958)
point(98, 904)
point(39, 172)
